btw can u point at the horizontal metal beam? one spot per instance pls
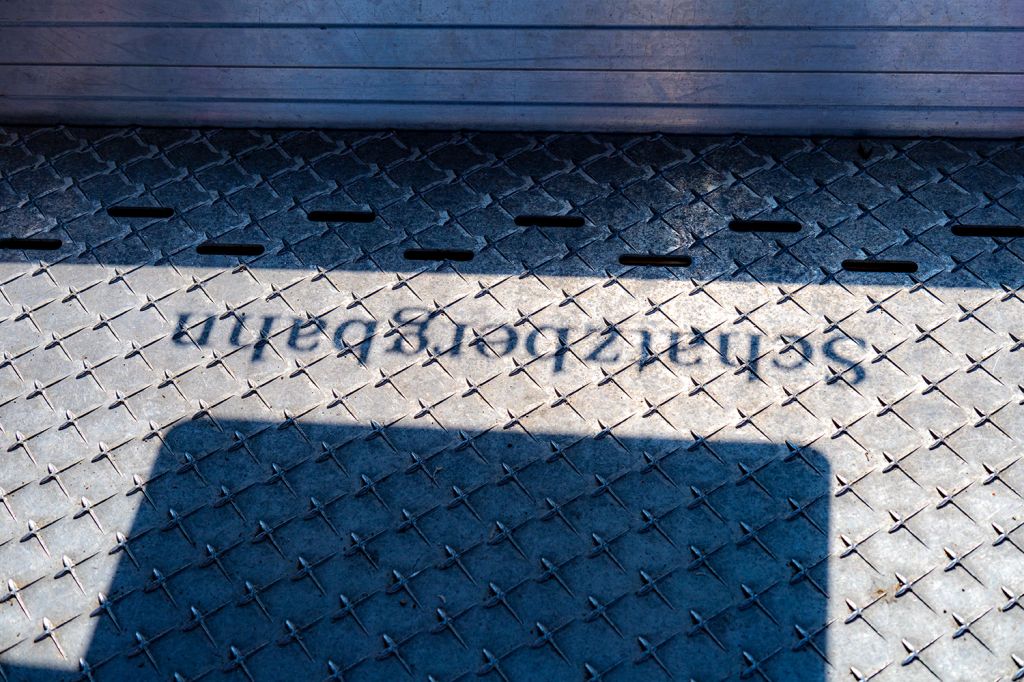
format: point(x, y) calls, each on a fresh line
point(655, 49)
point(660, 13)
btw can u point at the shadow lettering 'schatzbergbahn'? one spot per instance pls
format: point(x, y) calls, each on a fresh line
point(416, 330)
point(305, 549)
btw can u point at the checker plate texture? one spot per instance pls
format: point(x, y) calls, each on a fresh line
point(330, 462)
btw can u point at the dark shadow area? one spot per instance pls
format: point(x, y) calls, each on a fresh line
point(267, 550)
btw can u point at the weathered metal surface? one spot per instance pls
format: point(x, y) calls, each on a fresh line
point(329, 461)
point(795, 67)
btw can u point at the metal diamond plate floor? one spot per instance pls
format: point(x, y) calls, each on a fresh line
point(377, 405)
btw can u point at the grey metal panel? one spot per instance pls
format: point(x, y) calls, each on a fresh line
point(831, 67)
point(766, 120)
point(469, 86)
point(708, 13)
point(655, 49)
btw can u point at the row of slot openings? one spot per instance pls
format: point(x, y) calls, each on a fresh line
point(530, 220)
point(539, 220)
point(554, 221)
point(463, 255)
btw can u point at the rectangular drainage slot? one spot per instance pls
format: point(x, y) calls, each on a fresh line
point(218, 249)
point(549, 221)
point(341, 216)
point(864, 265)
point(31, 244)
point(438, 254)
point(764, 226)
point(654, 260)
point(139, 212)
point(988, 230)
